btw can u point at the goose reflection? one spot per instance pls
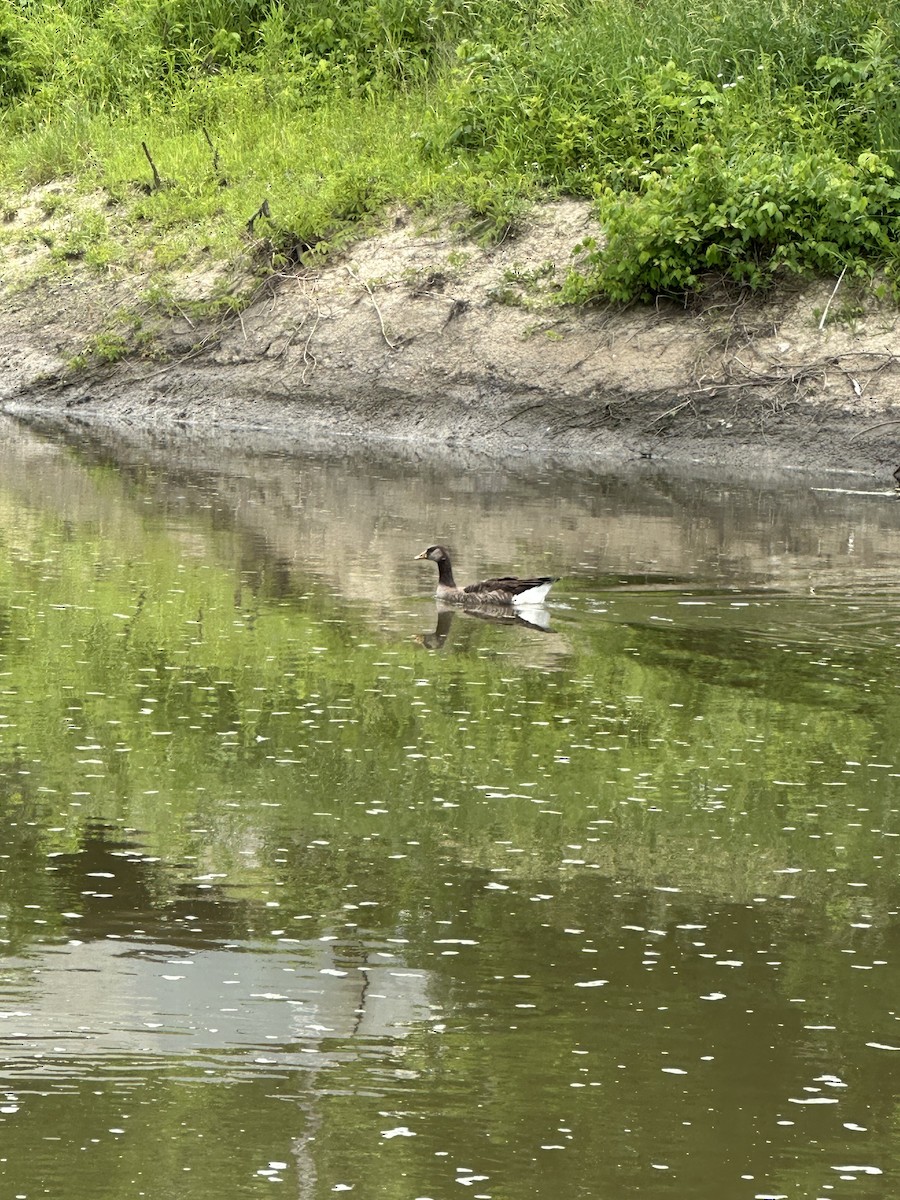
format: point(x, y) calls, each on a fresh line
point(532, 617)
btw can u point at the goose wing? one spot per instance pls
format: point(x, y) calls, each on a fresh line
point(507, 589)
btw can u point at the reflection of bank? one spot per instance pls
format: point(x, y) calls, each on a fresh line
point(114, 997)
point(73, 1015)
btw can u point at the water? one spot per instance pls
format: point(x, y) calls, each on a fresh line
point(306, 888)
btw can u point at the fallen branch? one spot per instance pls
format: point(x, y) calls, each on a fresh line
point(309, 359)
point(830, 298)
point(671, 412)
point(391, 345)
point(872, 428)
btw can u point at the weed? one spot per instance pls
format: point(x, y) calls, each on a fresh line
point(458, 259)
point(51, 203)
point(84, 237)
point(103, 347)
point(506, 296)
point(530, 275)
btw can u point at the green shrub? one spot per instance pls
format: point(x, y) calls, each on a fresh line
point(745, 215)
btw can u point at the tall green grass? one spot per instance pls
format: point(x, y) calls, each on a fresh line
point(739, 139)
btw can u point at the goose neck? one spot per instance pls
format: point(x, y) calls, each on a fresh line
point(445, 573)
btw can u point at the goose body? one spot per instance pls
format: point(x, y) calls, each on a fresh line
point(505, 590)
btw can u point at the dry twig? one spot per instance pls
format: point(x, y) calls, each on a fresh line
point(671, 412)
point(872, 428)
point(391, 345)
point(830, 298)
point(157, 182)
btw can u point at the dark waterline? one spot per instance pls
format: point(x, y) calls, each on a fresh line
point(306, 885)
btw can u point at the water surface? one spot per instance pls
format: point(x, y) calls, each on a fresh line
point(307, 888)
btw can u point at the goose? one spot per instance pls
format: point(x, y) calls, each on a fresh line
point(489, 591)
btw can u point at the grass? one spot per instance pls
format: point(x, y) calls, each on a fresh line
point(715, 137)
point(340, 166)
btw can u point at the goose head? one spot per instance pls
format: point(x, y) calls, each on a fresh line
point(436, 554)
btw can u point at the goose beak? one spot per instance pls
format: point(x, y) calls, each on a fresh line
point(424, 554)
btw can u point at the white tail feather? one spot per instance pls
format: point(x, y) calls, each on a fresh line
point(535, 595)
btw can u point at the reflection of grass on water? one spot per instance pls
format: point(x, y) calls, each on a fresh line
point(176, 701)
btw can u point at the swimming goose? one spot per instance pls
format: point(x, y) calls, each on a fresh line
point(489, 591)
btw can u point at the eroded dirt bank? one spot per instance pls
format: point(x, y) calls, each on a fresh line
point(415, 334)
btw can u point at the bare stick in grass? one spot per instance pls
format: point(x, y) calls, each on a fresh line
point(157, 182)
point(262, 211)
point(217, 169)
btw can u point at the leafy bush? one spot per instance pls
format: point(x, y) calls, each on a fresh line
point(745, 215)
point(806, 192)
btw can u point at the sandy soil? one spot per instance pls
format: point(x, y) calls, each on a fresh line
point(418, 334)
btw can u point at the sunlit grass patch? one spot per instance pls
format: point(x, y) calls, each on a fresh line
point(336, 167)
point(690, 122)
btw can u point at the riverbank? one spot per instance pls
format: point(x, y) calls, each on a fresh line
point(419, 334)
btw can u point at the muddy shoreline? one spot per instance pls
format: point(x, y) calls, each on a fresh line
point(418, 338)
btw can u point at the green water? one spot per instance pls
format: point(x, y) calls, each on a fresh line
point(306, 890)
